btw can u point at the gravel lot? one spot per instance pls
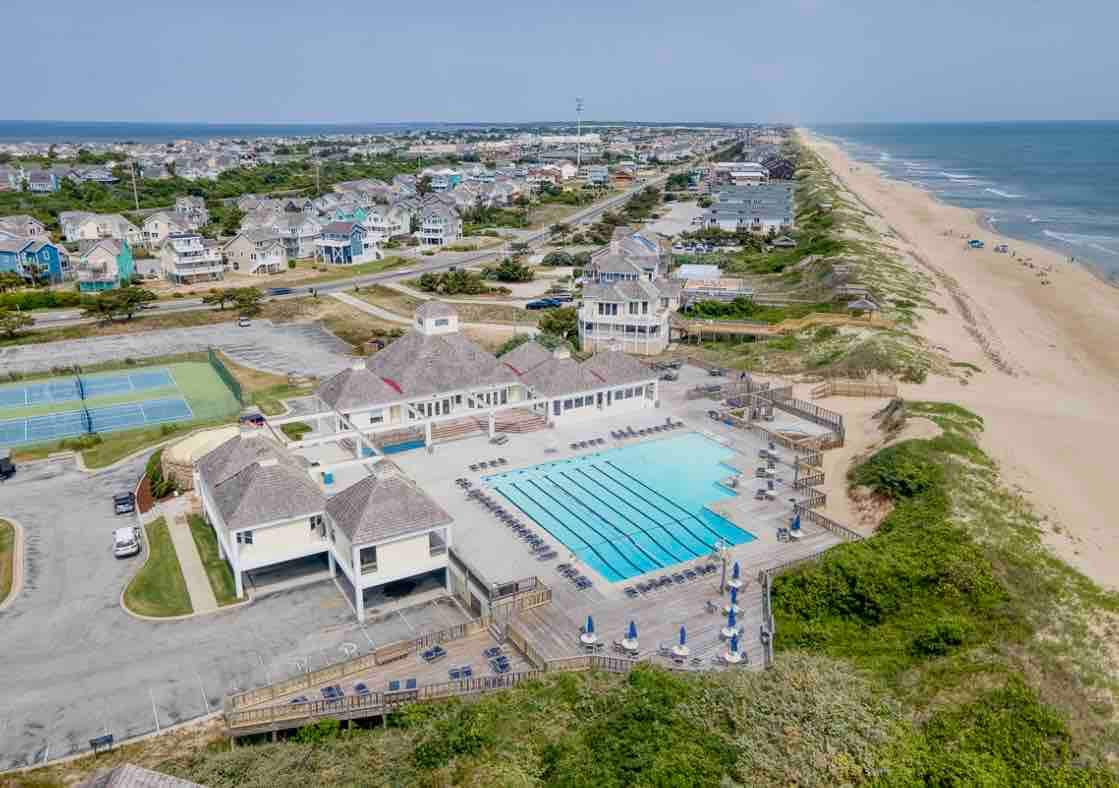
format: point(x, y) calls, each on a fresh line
point(307, 348)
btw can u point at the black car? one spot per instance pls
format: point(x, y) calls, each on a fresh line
point(124, 503)
point(276, 291)
point(543, 303)
point(7, 467)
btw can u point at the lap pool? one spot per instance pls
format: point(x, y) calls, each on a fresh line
point(630, 510)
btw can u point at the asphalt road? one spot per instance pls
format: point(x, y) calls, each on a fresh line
point(70, 317)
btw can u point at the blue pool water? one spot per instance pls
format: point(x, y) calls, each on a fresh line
point(396, 448)
point(631, 510)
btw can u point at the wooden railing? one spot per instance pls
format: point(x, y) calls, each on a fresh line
point(816, 518)
point(387, 653)
point(854, 388)
point(810, 480)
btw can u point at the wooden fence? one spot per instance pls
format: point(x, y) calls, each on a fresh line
point(386, 653)
point(854, 388)
point(806, 511)
point(810, 480)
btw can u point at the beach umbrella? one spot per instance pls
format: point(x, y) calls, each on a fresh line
point(737, 571)
point(730, 619)
point(733, 598)
point(683, 636)
point(734, 644)
point(796, 522)
point(590, 625)
point(632, 634)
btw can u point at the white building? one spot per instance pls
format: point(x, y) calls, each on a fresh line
point(256, 251)
point(187, 258)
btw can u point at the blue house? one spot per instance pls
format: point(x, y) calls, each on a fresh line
point(34, 259)
point(341, 243)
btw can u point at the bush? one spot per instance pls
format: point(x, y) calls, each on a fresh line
point(177, 295)
point(939, 638)
point(291, 264)
point(161, 487)
point(319, 732)
point(82, 442)
point(558, 259)
point(824, 333)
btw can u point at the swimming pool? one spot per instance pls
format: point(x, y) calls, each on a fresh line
point(630, 510)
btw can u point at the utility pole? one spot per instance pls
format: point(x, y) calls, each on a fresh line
point(135, 194)
point(578, 132)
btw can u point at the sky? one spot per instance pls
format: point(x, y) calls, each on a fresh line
point(368, 61)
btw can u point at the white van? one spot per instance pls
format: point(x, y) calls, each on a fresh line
point(126, 542)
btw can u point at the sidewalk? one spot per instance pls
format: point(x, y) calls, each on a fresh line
point(197, 581)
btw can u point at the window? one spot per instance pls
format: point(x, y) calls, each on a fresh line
point(244, 537)
point(368, 558)
point(316, 523)
point(377, 417)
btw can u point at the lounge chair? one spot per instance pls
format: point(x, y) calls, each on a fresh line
point(562, 567)
point(502, 461)
point(690, 574)
point(574, 445)
point(394, 685)
point(679, 579)
point(300, 699)
point(491, 652)
point(663, 580)
point(410, 684)
point(631, 592)
point(474, 467)
point(455, 674)
point(361, 690)
point(547, 555)
point(466, 671)
point(583, 583)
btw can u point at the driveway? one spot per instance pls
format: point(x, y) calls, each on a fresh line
point(75, 665)
point(280, 348)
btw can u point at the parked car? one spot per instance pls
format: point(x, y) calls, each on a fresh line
point(561, 297)
point(717, 372)
point(126, 541)
point(124, 503)
point(7, 467)
point(275, 291)
point(670, 374)
point(255, 419)
point(543, 303)
point(243, 322)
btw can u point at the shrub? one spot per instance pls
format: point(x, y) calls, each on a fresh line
point(319, 732)
point(824, 333)
point(291, 264)
point(939, 638)
point(161, 487)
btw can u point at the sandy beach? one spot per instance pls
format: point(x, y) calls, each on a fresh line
point(1049, 389)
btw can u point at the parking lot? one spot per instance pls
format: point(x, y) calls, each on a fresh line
point(75, 665)
point(280, 348)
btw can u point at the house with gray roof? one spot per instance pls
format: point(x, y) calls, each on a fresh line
point(383, 529)
point(256, 251)
point(131, 776)
point(272, 507)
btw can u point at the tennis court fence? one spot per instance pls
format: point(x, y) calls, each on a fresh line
point(226, 376)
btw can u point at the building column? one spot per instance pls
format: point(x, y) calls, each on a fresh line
point(427, 433)
point(236, 564)
point(359, 595)
point(330, 560)
point(493, 422)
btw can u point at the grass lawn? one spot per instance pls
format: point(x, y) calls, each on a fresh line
point(7, 557)
point(405, 305)
point(295, 430)
point(159, 589)
point(264, 389)
point(217, 569)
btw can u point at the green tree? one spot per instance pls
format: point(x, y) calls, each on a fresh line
point(13, 322)
point(248, 300)
point(510, 270)
point(563, 322)
point(129, 300)
point(423, 185)
point(558, 259)
point(102, 306)
point(10, 280)
point(220, 297)
point(231, 222)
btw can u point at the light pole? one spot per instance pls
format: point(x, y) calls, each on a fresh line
point(578, 132)
point(721, 555)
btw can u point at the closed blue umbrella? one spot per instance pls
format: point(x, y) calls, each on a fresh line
point(730, 619)
point(590, 625)
point(796, 522)
point(632, 634)
point(734, 644)
point(737, 571)
point(733, 597)
point(683, 636)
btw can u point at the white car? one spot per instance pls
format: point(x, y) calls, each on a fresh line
point(126, 542)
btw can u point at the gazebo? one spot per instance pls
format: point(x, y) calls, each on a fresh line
point(863, 305)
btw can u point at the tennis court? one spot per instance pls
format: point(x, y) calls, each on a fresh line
point(84, 387)
point(70, 423)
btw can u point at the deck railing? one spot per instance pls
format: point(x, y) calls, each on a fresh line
point(814, 517)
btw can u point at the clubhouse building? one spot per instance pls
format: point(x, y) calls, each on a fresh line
point(335, 493)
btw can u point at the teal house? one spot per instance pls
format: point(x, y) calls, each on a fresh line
point(355, 215)
point(104, 264)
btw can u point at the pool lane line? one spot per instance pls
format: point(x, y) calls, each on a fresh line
point(656, 561)
point(695, 517)
point(590, 547)
point(651, 538)
point(671, 520)
point(586, 545)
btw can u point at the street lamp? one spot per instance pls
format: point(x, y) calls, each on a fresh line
point(720, 554)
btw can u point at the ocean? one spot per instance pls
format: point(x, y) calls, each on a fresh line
point(115, 131)
point(1054, 183)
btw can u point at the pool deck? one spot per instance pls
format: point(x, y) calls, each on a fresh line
point(552, 630)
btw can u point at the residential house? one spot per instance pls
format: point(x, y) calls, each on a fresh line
point(192, 211)
point(34, 259)
point(629, 255)
point(188, 258)
point(41, 181)
point(23, 226)
point(345, 243)
point(440, 224)
point(83, 226)
point(763, 208)
point(298, 232)
point(159, 226)
point(9, 179)
point(256, 251)
point(597, 175)
point(104, 264)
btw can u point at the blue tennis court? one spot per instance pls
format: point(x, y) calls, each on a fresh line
point(630, 510)
point(70, 423)
point(66, 389)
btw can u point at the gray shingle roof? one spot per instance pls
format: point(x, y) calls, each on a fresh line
point(253, 481)
point(525, 357)
point(355, 388)
point(432, 309)
point(131, 776)
point(420, 364)
point(381, 507)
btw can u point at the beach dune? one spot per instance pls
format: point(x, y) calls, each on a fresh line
point(1049, 390)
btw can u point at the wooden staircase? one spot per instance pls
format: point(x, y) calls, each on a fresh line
point(458, 428)
point(519, 420)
